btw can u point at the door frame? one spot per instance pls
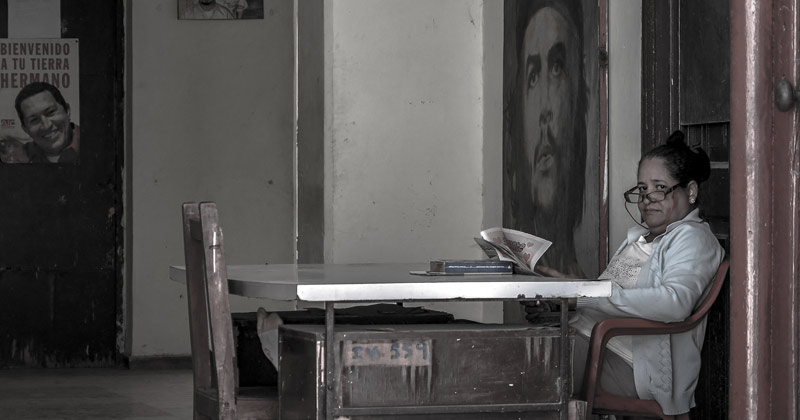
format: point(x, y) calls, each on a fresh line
point(764, 212)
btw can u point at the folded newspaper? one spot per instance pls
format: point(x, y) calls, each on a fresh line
point(522, 249)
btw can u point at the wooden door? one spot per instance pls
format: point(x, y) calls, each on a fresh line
point(60, 232)
point(765, 221)
point(686, 85)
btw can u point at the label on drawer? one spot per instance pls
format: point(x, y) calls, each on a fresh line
point(387, 353)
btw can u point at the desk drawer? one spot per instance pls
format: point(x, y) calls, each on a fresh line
point(256, 370)
point(424, 371)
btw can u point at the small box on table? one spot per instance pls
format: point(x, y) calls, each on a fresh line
point(448, 371)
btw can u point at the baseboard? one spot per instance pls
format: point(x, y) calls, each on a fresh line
point(160, 362)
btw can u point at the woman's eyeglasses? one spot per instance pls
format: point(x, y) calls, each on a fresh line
point(633, 196)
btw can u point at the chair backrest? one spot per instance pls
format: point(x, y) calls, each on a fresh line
point(209, 309)
point(711, 297)
point(600, 402)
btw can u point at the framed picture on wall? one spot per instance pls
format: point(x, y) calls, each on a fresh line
point(40, 100)
point(554, 129)
point(220, 9)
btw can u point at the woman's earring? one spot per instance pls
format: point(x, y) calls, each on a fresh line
point(691, 200)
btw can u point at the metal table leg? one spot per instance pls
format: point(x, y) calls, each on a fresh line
point(565, 351)
point(330, 363)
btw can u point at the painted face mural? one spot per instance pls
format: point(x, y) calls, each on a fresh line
point(550, 60)
point(545, 144)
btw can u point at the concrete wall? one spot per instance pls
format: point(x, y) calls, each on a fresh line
point(406, 135)
point(625, 110)
point(410, 151)
point(405, 170)
point(211, 118)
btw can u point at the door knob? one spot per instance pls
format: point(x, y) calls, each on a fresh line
point(785, 95)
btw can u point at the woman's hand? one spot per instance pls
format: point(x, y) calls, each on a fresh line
point(534, 308)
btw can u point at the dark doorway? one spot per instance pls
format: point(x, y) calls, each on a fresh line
point(60, 232)
point(686, 85)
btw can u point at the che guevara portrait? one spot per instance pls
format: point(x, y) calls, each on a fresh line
point(550, 145)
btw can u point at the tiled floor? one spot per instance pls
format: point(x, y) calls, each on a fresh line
point(95, 394)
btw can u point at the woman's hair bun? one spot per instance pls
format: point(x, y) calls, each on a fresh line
point(684, 163)
point(676, 139)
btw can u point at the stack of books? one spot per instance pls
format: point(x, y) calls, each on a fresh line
point(461, 267)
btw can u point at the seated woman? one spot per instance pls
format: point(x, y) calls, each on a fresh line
point(660, 272)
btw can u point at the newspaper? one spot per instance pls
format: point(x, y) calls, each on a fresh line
point(522, 249)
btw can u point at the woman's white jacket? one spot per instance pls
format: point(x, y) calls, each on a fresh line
point(669, 287)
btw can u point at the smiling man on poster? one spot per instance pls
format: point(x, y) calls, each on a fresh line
point(45, 116)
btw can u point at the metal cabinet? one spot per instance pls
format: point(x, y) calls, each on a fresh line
point(441, 371)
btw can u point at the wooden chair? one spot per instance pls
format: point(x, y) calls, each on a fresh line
point(601, 402)
point(215, 392)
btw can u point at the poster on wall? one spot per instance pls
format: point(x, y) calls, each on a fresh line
point(551, 139)
point(220, 9)
point(39, 101)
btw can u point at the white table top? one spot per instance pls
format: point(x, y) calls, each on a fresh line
point(391, 282)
